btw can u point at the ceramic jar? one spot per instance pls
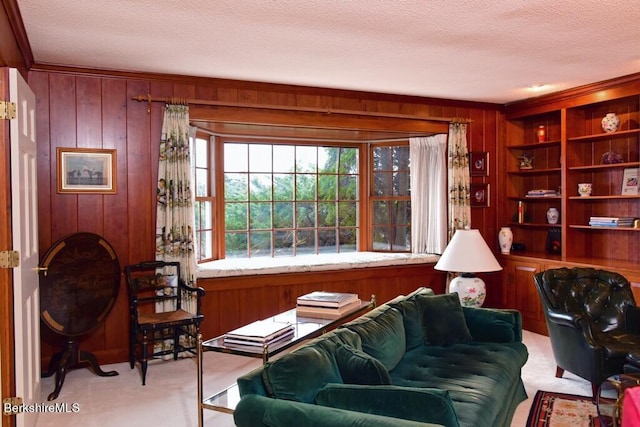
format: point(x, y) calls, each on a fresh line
point(541, 133)
point(584, 189)
point(553, 216)
point(505, 238)
point(610, 122)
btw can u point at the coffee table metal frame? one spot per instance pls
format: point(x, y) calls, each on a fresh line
point(305, 328)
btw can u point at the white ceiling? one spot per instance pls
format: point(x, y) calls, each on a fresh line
point(490, 50)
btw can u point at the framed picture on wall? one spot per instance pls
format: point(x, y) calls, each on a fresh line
point(479, 195)
point(86, 170)
point(479, 163)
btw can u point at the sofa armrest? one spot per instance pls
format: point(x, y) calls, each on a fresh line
point(493, 325)
point(425, 405)
point(261, 411)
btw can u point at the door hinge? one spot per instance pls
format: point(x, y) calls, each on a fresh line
point(9, 259)
point(11, 405)
point(7, 110)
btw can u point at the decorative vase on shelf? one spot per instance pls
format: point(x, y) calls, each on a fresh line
point(610, 122)
point(505, 238)
point(553, 215)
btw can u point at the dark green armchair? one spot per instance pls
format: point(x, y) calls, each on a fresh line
point(592, 319)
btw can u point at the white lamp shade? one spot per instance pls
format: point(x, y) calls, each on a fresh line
point(467, 252)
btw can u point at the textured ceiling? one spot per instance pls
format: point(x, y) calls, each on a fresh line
point(484, 51)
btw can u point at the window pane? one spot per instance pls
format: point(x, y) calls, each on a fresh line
point(328, 158)
point(305, 215)
point(348, 214)
point(203, 215)
point(283, 187)
point(305, 242)
point(305, 187)
point(306, 159)
point(327, 241)
point(260, 214)
point(283, 215)
point(381, 212)
point(381, 238)
point(348, 239)
point(260, 186)
point(348, 187)
point(401, 239)
point(235, 187)
point(328, 187)
point(260, 243)
point(235, 216)
point(284, 159)
point(401, 184)
point(202, 183)
point(283, 243)
point(205, 245)
point(382, 183)
point(236, 157)
point(348, 161)
point(201, 152)
point(236, 245)
point(327, 214)
point(402, 212)
point(260, 158)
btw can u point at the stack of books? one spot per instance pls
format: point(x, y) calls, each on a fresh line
point(542, 193)
point(260, 333)
point(611, 221)
point(326, 305)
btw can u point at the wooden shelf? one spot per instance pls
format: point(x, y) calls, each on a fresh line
point(535, 199)
point(525, 172)
point(604, 167)
point(595, 198)
point(604, 136)
point(535, 145)
point(588, 227)
point(534, 225)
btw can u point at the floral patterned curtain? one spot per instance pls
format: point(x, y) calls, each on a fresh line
point(459, 206)
point(175, 218)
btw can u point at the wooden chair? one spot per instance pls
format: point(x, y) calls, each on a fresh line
point(159, 324)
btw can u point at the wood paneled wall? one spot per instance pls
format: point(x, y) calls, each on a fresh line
point(81, 108)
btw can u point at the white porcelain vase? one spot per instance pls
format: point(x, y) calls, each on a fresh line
point(553, 216)
point(610, 122)
point(505, 238)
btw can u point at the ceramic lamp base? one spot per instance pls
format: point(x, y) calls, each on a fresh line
point(470, 288)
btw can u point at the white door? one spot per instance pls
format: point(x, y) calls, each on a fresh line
point(24, 218)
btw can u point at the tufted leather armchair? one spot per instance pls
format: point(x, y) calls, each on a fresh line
point(592, 319)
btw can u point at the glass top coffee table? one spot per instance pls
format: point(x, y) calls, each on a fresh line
point(305, 328)
point(610, 397)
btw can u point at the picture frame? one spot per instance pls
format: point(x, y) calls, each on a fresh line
point(86, 170)
point(479, 195)
point(479, 163)
point(630, 182)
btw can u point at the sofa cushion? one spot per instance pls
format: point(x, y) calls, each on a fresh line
point(492, 325)
point(357, 367)
point(427, 405)
point(382, 334)
point(300, 374)
point(412, 317)
point(443, 319)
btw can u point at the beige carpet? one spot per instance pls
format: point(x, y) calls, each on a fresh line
point(170, 398)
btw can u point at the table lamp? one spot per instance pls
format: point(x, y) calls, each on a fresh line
point(467, 253)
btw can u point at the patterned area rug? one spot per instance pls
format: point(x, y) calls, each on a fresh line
point(559, 410)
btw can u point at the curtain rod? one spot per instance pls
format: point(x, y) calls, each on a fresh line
point(186, 101)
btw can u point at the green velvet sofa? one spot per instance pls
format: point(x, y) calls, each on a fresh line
point(419, 359)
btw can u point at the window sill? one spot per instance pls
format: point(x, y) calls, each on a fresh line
point(245, 267)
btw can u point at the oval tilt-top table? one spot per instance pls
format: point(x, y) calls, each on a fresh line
point(79, 283)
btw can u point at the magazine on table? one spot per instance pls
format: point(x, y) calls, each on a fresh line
point(327, 299)
point(260, 331)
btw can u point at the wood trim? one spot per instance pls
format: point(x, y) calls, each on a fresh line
point(15, 50)
point(581, 95)
point(7, 345)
